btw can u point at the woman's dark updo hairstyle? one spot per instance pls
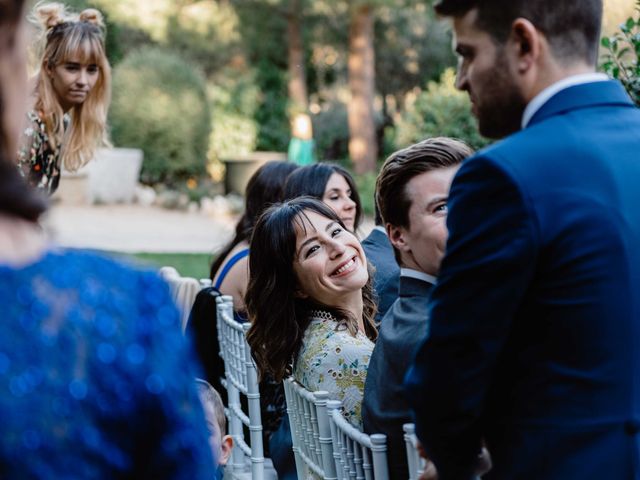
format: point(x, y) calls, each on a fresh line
point(278, 316)
point(312, 180)
point(263, 190)
point(17, 199)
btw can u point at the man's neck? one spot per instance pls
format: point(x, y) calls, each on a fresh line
point(550, 90)
point(554, 74)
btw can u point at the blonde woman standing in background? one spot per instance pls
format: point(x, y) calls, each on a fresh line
point(72, 91)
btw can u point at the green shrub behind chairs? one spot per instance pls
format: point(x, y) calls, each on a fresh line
point(440, 110)
point(160, 106)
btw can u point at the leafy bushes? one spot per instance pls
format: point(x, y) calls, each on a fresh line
point(440, 110)
point(622, 53)
point(233, 103)
point(331, 132)
point(366, 184)
point(160, 105)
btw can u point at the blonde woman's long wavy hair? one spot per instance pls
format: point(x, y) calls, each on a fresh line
point(64, 36)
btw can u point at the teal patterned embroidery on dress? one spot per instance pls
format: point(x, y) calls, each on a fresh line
point(332, 359)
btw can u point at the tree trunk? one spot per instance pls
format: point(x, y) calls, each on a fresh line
point(297, 80)
point(363, 148)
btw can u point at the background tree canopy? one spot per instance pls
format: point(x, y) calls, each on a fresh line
point(371, 73)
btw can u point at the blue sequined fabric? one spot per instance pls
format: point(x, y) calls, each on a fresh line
point(96, 380)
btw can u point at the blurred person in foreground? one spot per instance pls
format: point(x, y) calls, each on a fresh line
point(96, 380)
point(535, 316)
point(411, 193)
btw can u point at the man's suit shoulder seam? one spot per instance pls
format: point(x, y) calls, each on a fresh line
point(497, 161)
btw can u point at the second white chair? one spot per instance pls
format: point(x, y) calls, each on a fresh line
point(241, 379)
point(356, 454)
point(310, 431)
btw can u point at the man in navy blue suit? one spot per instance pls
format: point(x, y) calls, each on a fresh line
point(535, 319)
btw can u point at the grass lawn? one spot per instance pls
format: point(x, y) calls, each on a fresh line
point(194, 265)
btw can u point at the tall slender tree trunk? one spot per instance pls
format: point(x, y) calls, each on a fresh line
point(363, 148)
point(297, 78)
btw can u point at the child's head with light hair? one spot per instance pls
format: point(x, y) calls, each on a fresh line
point(221, 444)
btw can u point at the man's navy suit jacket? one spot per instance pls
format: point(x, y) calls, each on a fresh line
point(384, 407)
point(386, 278)
point(535, 321)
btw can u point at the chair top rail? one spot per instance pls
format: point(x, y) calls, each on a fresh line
point(372, 441)
point(409, 428)
point(231, 322)
point(238, 441)
point(410, 433)
point(240, 414)
point(303, 392)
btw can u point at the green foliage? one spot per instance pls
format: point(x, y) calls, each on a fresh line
point(271, 111)
point(366, 184)
point(331, 132)
point(233, 102)
point(412, 46)
point(622, 53)
point(195, 265)
point(206, 33)
point(262, 26)
point(160, 105)
point(440, 110)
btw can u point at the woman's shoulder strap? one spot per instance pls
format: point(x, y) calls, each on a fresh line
point(229, 265)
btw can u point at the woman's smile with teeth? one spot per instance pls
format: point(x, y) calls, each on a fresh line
point(345, 267)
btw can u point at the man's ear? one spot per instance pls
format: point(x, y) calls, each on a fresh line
point(525, 43)
point(397, 237)
point(226, 445)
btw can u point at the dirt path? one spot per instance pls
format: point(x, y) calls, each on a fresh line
point(133, 228)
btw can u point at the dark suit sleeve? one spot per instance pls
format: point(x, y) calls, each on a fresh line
point(488, 265)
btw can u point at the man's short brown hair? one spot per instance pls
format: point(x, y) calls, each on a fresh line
point(572, 27)
point(431, 154)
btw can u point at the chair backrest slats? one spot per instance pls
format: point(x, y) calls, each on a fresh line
point(310, 430)
point(241, 379)
point(357, 456)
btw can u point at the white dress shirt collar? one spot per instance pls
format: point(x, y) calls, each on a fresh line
point(545, 95)
point(425, 277)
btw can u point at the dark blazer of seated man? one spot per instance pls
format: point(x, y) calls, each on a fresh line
point(411, 193)
point(387, 273)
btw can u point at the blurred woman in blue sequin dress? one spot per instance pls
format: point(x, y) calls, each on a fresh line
point(96, 380)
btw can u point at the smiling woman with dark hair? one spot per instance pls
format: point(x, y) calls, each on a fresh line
point(310, 301)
